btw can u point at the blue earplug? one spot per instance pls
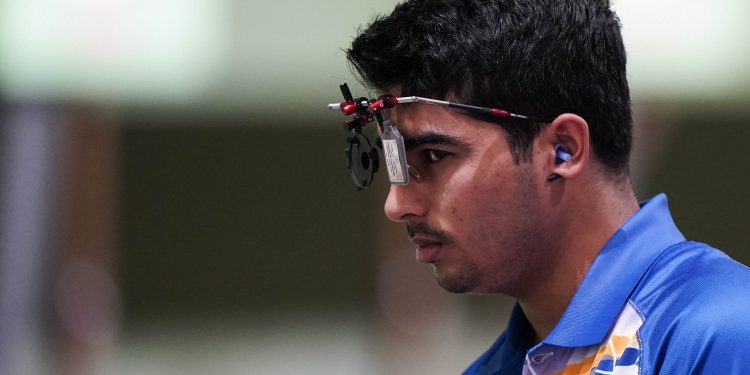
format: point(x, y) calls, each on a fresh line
point(561, 154)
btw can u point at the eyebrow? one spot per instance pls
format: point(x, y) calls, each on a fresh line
point(432, 138)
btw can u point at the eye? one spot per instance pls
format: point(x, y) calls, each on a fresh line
point(435, 156)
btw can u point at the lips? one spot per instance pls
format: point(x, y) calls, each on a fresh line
point(428, 248)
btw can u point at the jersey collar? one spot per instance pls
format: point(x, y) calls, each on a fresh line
point(614, 275)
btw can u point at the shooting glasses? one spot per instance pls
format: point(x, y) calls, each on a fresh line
point(362, 158)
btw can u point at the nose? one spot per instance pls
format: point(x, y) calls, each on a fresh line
point(404, 202)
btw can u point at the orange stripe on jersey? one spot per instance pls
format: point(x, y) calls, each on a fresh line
point(584, 367)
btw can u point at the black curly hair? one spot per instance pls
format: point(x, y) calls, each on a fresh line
point(540, 58)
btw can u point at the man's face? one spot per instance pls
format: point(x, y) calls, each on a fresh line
point(475, 216)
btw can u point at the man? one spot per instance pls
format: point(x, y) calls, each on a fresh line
point(539, 205)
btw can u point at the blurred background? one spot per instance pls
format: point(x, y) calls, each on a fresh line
point(174, 199)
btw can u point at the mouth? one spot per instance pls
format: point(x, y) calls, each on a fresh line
point(430, 241)
point(428, 248)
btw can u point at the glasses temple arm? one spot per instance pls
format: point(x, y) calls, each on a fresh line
point(496, 112)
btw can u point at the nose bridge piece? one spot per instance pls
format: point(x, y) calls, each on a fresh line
point(414, 172)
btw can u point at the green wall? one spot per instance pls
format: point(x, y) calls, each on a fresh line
point(221, 217)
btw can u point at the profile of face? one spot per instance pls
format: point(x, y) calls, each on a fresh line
point(474, 214)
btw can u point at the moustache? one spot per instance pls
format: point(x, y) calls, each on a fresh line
point(426, 229)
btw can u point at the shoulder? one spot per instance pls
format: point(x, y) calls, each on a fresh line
point(695, 302)
point(689, 270)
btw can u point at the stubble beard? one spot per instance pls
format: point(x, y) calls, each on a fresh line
point(460, 281)
point(507, 278)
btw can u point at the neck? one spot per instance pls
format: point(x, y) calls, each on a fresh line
point(601, 210)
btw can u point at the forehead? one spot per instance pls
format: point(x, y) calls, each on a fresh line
point(416, 119)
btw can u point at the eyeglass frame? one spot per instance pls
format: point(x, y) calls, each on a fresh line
point(364, 111)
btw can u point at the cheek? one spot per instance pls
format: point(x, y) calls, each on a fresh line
point(480, 188)
point(475, 192)
point(481, 208)
point(465, 204)
point(454, 211)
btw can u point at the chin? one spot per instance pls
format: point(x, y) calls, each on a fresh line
point(458, 282)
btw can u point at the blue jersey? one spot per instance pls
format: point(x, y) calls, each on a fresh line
point(651, 303)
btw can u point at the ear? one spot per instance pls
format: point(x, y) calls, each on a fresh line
point(572, 132)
